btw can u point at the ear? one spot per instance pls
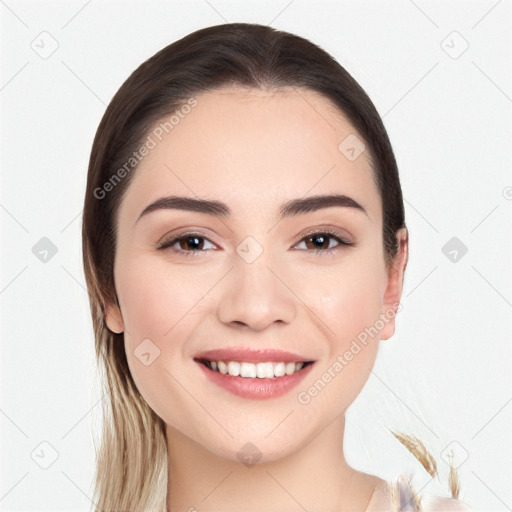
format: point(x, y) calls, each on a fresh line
point(114, 318)
point(394, 284)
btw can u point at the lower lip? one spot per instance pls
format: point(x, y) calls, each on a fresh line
point(254, 388)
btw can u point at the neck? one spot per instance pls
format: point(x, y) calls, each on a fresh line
point(316, 477)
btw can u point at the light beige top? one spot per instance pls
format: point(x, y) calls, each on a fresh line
point(388, 496)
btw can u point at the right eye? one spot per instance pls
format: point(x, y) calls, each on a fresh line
point(190, 243)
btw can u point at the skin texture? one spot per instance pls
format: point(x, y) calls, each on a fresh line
point(255, 150)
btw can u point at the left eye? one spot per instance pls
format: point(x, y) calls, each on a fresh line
point(322, 241)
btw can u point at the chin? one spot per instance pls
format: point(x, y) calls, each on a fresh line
point(261, 444)
point(250, 453)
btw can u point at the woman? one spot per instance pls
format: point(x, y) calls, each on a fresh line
point(244, 248)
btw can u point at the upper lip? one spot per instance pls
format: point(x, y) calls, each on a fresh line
point(250, 355)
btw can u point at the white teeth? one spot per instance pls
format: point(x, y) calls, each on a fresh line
point(234, 368)
point(247, 370)
point(279, 369)
point(264, 371)
point(289, 368)
point(259, 370)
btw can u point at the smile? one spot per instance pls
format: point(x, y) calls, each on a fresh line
point(256, 381)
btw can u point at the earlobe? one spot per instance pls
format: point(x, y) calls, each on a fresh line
point(114, 318)
point(394, 285)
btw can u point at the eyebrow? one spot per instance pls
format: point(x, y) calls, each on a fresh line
point(222, 210)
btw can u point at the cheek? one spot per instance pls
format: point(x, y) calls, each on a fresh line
point(161, 309)
point(157, 296)
point(346, 297)
point(348, 300)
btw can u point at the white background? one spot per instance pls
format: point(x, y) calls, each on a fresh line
point(444, 376)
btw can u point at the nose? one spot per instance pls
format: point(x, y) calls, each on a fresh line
point(255, 296)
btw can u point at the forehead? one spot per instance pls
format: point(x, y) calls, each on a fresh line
point(254, 148)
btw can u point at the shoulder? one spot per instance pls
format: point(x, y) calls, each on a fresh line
point(434, 504)
point(384, 497)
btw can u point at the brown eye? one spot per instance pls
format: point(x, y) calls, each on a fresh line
point(318, 241)
point(189, 243)
point(321, 242)
point(193, 242)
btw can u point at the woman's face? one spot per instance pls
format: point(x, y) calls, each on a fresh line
point(255, 278)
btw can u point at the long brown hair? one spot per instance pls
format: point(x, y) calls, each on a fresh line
point(131, 471)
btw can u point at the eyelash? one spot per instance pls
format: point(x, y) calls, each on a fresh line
point(167, 244)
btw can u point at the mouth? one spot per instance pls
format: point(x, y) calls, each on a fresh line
point(256, 380)
point(254, 373)
point(261, 370)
